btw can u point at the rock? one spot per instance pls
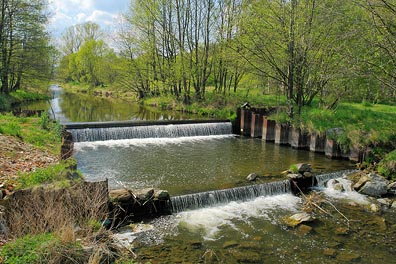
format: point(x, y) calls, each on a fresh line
point(342, 231)
point(145, 194)
point(230, 244)
point(303, 167)
point(303, 230)
point(331, 252)
point(339, 187)
point(294, 176)
point(379, 223)
point(393, 205)
point(392, 188)
point(375, 208)
point(120, 195)
point(247, 257)
point(386, 202)
point(345, 256)
point(252, 177)
point(299, 218)
point(162, 195)
point(308, 174)
point(357, 186)
point(376, 186)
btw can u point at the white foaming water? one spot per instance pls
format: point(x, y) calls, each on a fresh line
point(346, 193)
point(210, 220)
point(143, 142)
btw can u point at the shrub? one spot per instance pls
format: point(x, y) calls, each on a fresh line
point(387, 167)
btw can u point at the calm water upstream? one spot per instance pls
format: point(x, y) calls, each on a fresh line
point(78, 107)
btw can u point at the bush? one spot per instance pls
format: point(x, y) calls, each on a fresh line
point(387, 167)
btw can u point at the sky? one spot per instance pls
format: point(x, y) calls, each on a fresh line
point(65, 13)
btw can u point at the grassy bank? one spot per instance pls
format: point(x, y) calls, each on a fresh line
point(7, 101)
point(53, 216)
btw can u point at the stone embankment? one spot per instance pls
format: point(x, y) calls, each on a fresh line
point(127, 203)
point(255, 123)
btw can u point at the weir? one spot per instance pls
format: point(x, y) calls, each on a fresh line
point(322, 179)
point(211, 198)
point(82, 132)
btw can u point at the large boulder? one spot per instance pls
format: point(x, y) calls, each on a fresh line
point(162, 195)
point(376, 186)
point(392, 188)
point(303, 167)
point(298, 218)
point(361, 182)
point(252, 177)
point(121, 195)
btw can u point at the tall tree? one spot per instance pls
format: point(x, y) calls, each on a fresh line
point(24, 44)
point(292, 43)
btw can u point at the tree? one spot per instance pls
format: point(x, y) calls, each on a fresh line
point(24, 44)
point(381, 57)
point(292, 43)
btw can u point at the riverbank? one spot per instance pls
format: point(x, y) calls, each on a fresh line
point(12, 100)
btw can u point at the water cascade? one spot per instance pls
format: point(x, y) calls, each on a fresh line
point(211, 198)
point(323, 178)
point(151, 131)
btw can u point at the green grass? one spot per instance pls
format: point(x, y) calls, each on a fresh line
point(59, 173)
point(41, 248)
point(363, 125)
point(38, 131)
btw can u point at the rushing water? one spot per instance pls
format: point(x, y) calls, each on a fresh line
point(254, 232)
point(73, 107)
point(153, 131)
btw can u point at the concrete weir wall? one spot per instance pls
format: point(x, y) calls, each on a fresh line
point(255, 123)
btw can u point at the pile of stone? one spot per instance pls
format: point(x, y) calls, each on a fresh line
point(299, 171)
point(140, 203)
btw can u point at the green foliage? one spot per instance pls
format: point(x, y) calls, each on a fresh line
point(10, 128)
point(362, 125)
point(28, 249)
point(293, 168)
point(56, 173)
point(387, 167)
point(44, 120)
point(42, 248)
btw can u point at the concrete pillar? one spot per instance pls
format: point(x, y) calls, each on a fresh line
point(317, 143)
point(332, 150)
point(298, 139)
point(246, 119)
point(256, 126)
point(268, 131)
point(282, 134)
point(355, 154)
point(236, 126)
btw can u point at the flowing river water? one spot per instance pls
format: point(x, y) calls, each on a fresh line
point(250, 231)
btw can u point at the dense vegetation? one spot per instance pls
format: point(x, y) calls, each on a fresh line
point(26, 56)
point(303, 50)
